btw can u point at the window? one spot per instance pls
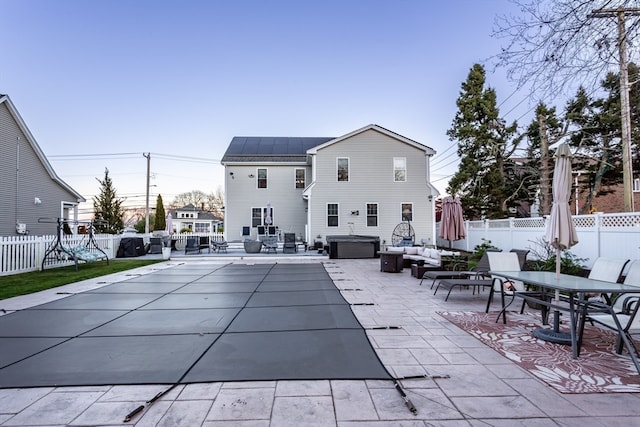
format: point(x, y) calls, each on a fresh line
point(202, 227)
point(372, 214)
point(300, 175)
point(343, 169)
point(399, 169)
point(636, 184)
point(332, 215)
point(262, 178)
point(407, 211)
point(259, 215)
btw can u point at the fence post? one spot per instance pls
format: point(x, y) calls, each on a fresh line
point(597, 227)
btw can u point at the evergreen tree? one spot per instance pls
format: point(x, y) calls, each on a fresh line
point(545, 130)
point(107, 207)
point(160, 222)
point(485, 145)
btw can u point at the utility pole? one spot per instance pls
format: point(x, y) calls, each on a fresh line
point(627, 172)
point(146, 216)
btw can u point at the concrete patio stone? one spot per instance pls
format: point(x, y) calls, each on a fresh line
point(303, 388)
point(54, 409)
point(289, 411)
point(352, 401)
point(242, 404)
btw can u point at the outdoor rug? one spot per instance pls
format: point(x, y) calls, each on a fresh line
point(191, 324)
point(598, 369)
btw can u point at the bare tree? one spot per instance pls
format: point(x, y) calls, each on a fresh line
point(554, 46)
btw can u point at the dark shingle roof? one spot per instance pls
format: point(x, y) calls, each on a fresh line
point(264, 148)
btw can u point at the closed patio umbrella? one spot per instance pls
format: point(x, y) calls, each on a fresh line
point(452, 222)
point(560, 232)
point(169, 224)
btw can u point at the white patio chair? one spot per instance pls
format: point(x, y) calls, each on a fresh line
point(508, 261)
point(625, 306)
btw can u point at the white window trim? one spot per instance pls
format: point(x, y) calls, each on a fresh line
point(348, 159)
point(366, 213)
point(404, 159)
point(412, 210)
point(295, 178)
point(326, 211)
point(258, 178)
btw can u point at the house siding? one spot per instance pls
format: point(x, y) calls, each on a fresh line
point(286, 201)
point(32, 180)
point(371, 180)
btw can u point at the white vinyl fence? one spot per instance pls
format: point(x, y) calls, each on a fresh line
point(20, 254)
point(614, 235)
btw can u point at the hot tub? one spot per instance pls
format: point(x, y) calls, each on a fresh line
point(353, 246)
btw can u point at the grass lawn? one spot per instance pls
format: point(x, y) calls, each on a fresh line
point(27, 283)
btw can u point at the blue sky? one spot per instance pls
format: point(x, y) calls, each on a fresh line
point(181, 78)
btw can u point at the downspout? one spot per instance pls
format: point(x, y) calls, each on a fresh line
point(17, 176)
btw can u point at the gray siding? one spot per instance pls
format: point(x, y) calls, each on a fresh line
point(371, 180)
point(32, 180)
point(242, 194)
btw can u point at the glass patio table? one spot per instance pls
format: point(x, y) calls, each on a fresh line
point(574, 287)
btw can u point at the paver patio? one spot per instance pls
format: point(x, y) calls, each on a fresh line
point(467, 384)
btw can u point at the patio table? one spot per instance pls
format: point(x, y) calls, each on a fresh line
point(574, 287)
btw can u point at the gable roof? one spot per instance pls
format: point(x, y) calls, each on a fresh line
point(4, 99)
point(270, 149)
point(428, 150)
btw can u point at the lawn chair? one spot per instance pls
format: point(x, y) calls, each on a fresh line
point(625, 307)
point(192, 245)
point(477, 272)
point(270, 244)
point(289, 245)
point(222, 246)
point(204, 244)
point(155, 245)
point(476, 279)
point(509, 261)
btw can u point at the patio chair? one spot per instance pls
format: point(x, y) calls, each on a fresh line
point(477, 272)
point(625, 306)
point(475, 279)
point(155, 245)
point(289, 245)
point(192, 245)
point(222, 246)
point(509, 261)
point(204, 244)
point(270, 244)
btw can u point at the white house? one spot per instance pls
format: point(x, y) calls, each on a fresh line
point(196, 220)
point(366, 182)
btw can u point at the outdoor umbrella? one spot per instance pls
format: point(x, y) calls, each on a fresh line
point(452, 222)
point(267, 218)
point(169, 224)
point(560, 233)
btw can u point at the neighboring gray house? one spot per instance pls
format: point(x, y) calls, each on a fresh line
point(29, 187)
point(362, 183)
point(198, 221)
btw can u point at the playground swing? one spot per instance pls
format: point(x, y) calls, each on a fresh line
point(59, 251)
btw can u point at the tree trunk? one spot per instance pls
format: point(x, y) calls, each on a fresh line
point(545, 168)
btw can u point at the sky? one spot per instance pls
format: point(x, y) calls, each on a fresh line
point(99, 82)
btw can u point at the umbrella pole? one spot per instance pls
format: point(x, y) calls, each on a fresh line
point(556, 313)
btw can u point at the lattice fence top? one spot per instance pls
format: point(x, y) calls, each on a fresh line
point(537, 222)
point(632, 220)
point(614, 220)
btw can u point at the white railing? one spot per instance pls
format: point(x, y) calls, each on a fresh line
point(613, 235)
point(21, 254)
